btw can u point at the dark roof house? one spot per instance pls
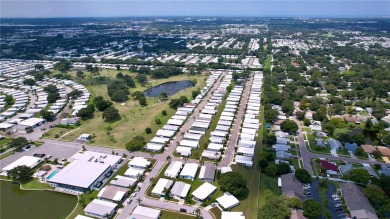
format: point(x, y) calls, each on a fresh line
point(358, 204)
point(292, 187)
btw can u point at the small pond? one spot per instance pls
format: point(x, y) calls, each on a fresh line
point(21, 204)
point(170, 88)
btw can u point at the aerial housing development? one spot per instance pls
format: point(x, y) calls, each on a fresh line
point(192, 117)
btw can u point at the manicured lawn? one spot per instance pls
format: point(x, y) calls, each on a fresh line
point(340, 130)
point(295, 163)
point(134, 117)
point(217, 212)
point(344, 152)
point(55, 132)
point(306, 129)
point(34, 184)
point(267, 183)
point(4, 142)
point(312, 147)
point(174, 215)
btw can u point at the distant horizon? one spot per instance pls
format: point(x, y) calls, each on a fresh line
point(203, 16)
point(198, 8)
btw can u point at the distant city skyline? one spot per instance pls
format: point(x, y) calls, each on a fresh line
point(257, 8)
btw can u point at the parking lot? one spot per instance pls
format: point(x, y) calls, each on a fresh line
point(56, 151)
point(334, 206)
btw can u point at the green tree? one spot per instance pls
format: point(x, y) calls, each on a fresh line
point(288, 107)
point(311, 209)
point(47, 115)
point(275, 207)
point(53, 97)
point(80, 75)
point(63, 65)
point(360, 152)
point(148, 130)
point(289, 126)
point(22, 174)
point(86, 113)
point(234, 183)
point(39, 67)
point(164, 112)
point(283, 168)
point(158, 121)
point(142, 79)
point(136, 143)
point(163, 96)
point(303, 176)
point(184, 99)
point(359, 176)
point(378, 198)
point(142, 101)
point(271, 170)
point(18, 143)
point(359, 139)
point(294, 203)
point(29, 82)
point(111, 114)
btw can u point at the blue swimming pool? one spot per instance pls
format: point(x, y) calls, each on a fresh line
point(52, 174)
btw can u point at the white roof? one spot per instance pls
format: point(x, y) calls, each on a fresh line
point(139, 161)
point(31, 122)
point(188, 143)
point(184, 151)
point(161, 184)
point(160, 140)
point(145, 212)
point(204, 191)
point(213, 146)
point(228, 201)
point(180, 189)
point(189, 169)
point(28, 161)
point(6, 125)
point(226, 170)
point(165, 133)
point(173, 169)
point(245, 150)
point(82, 217)
point(134, 172)
point(80, 173)
point(97, 157)
point(232, 215)
point(100, 207)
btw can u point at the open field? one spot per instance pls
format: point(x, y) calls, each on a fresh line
point(134, 117)
point(174, 215)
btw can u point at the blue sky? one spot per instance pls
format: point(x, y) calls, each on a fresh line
point(259, 8)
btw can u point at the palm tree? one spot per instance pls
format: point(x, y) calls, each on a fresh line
point(198, 213)
point(201, 162)
point(151, 179)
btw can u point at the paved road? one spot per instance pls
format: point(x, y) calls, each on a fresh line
point(229, 152)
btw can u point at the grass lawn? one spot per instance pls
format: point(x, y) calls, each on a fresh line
point(306, 129)
point(55, 132)
point(344, 152)
point(340, 130)
point(4, 142)
point(174, 215)
point(267, 182)
point(6, 154)
point(312, 147)
point(34, 184)
point(217, 212)
point(134, 117)
point(295, 163)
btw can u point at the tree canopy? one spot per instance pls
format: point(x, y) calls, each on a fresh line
point(234, 183)
point(311, 209)
point(22, 174)
point(303, 176)
point(111, 114)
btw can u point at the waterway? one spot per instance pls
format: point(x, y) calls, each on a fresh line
point(170, 88)
point(22, 204)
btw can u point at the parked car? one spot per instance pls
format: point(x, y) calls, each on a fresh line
point(183, 210)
